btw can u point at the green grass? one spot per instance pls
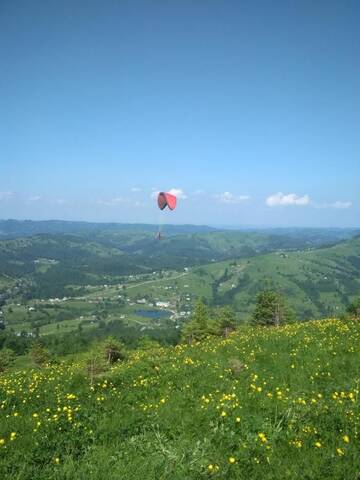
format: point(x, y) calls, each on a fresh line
point(263, 404)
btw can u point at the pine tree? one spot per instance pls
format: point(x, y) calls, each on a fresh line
point(39, 354)
point(271, 309)
point(199, 325)
point(226, 320)
point(102, 355)
point(354, 308)
point(7, 358)
point(113, 350)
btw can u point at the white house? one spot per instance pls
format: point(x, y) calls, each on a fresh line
point(162, 304)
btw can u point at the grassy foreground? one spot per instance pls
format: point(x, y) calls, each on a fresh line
point(262, 404)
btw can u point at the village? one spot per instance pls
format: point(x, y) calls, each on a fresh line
point(144, 299)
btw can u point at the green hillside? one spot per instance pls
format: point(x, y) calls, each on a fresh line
point(104, 284)
point(51, 262)
point(264, 403)
point(316, 282)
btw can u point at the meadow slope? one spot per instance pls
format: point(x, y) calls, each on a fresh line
point(264, 403)
point(316, 282)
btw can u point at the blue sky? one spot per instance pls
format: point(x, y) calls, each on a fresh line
point(251, 110)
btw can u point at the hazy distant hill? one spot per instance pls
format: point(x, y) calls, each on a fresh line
point(19, 228)
point(317, 281)
point(98, 255)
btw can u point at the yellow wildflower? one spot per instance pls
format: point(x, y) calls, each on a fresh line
point(262, 437)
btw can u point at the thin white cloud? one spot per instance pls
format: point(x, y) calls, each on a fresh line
point(230, 198)
point(139, 204)
point(178, 192)
point(113, 201)
point(6, 195)
point(154, 193)
point(34, 198)
point(338, 205)
point(281, 199)
point(135, 189)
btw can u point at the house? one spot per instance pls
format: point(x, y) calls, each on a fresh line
point(162, 304)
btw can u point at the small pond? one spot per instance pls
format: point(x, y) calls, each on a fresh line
point(153, 313)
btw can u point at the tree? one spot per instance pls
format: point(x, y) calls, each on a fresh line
point(95, 364)
point(39, 355)
point(7, 358)
point(113, 350)
point(198, 327)
point(225, 321)
point(271, 309)
point(354, 308)
point(102, 356)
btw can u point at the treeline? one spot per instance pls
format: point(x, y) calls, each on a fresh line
point(271, 309)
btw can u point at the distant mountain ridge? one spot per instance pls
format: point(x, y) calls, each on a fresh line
point(11, 228)
point(18, 228)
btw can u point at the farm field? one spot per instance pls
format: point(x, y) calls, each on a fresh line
point(264, 403)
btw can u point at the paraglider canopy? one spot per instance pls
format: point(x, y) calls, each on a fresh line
point(166, 200)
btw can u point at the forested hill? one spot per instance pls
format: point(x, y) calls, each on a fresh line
point(49, 265)
point(316, 282)
point(89, 256)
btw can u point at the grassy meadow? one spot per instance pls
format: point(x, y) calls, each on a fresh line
point(264, 403)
